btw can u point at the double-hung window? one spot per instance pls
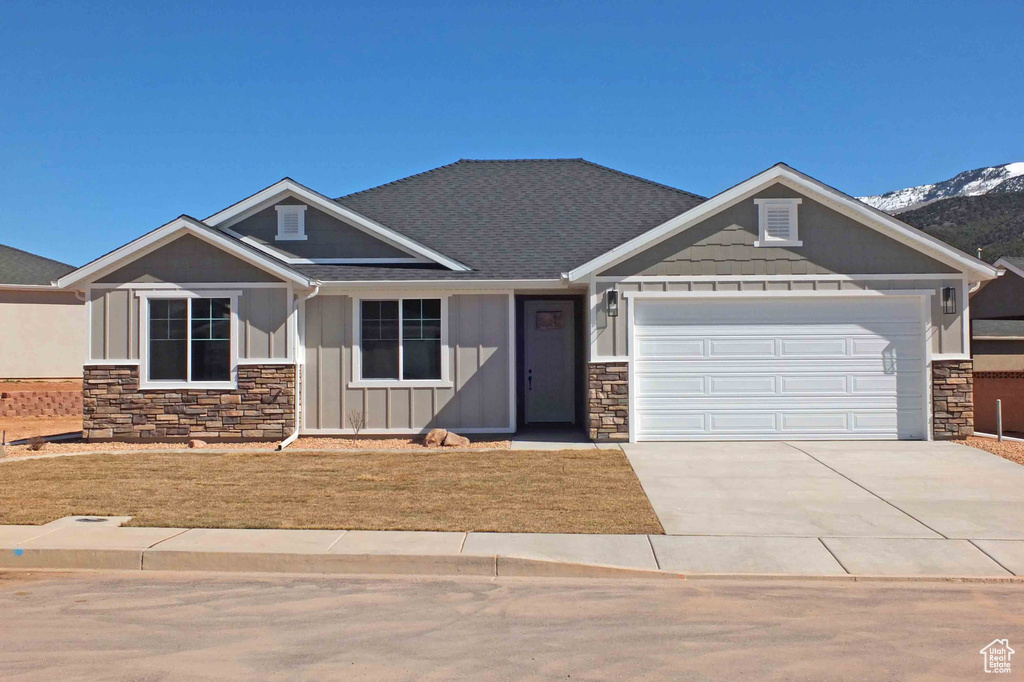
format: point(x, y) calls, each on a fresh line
point(400, 340)
point(188, 341)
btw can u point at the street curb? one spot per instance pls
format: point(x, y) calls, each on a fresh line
point(492, 566)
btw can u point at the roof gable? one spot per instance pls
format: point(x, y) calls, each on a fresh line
point(780, 173)
point(290, 188)
point(725, 243)
point(165, 234)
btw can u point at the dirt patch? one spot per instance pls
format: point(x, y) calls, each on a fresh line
point(1006, 449)
point(27, 427)
point(568, 491)
point(14, 385)
point(364, 443)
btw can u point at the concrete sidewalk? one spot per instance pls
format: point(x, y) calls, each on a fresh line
point(72, 543)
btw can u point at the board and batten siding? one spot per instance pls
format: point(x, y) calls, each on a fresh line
point(945, 334)
point(262, 324)
point(478, 353)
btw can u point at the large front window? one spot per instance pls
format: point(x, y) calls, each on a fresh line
point(401, 339)
point(190, 339)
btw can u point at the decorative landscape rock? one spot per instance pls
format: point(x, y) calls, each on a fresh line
point(454, 440)
point(196, 443)
point(435, 438)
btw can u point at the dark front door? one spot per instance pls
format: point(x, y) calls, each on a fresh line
point(550, 369)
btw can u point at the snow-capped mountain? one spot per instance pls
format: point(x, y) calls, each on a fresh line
point(1005, 178)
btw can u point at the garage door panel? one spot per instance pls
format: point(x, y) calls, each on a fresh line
point(750, 348)
point(863, 365)
point(670, 347)
point(790, 347)
point(772, 368)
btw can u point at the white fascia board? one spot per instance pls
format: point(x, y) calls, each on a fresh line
point(28, 287)
point(330, 206)
point(1007, 265)
point(339, 286)
point(157, 237)
point(293, 260)
point(865, 214)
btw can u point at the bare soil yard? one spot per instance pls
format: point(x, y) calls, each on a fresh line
point(570, 491)
point(25, 427)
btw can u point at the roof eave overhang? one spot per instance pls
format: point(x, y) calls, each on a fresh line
point(975, 269)
point(181, 225)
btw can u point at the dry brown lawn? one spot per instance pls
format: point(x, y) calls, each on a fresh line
point(569, 491)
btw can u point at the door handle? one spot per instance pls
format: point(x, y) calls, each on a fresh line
point(529, 379)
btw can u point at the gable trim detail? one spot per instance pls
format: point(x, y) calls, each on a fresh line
point(870, 217)
point(159, 236)
point(241, 210)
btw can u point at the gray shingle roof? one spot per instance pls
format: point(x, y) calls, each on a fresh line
point(517, 219)
point(1015, 261)
point(22, 267)
point(997, 328)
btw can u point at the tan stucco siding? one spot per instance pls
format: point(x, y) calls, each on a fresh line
point(945, 332)
point(114, 324)
point(43, 335)
point(998, 356)
point(723, 244)
point(326, 236)
point(478, 355)
point(187, 259)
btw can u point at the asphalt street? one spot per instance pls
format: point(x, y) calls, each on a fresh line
point(186, 626)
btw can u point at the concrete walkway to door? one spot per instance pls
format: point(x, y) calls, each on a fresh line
point(873, 506)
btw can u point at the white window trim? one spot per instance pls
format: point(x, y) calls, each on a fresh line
point(300, 211)
point(144, 381)
point(357, 358)
point(762, 220)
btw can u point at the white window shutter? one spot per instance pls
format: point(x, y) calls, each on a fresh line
point(291, 222)
point(777, 220)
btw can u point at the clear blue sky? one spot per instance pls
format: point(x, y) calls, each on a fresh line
point(117, 118)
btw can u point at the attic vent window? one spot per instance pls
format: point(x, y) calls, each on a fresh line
point(777, 222)
point(291, 223)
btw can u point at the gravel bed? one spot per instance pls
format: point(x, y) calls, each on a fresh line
point(1006, 449)
point(322, 443)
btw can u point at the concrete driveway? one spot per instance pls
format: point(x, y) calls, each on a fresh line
point(877, 489)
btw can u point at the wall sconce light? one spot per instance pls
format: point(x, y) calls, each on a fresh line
point(613, 303)
point(949, 300)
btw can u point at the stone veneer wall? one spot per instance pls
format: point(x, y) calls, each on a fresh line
point(608, 401)
point(952, 398)
point(261, 407)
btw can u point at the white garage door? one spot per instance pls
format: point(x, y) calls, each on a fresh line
point(778, 368)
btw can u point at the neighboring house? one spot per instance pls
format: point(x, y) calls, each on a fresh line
point(485, 295)
point(42, 329)
point(997, 344)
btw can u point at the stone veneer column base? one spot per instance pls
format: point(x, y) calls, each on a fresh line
point(262, 407)
point(608, 401)
point(952, 398)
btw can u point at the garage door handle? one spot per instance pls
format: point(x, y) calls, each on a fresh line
point(529, 379)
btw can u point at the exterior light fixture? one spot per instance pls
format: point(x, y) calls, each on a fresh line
point(949, 300)
point(613, 303)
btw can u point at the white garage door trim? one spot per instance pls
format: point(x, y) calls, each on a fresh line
point(920, 294)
